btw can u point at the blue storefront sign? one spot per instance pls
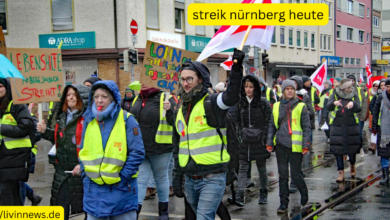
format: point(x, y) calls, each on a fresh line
point(331, 60)
point(197, 44)
point(77, 40)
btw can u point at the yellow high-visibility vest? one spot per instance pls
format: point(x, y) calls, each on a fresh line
point(334, 112)
point(104, 166)
point(164, 130)
point(198, 140)
point(9, 142)
point(297, 132)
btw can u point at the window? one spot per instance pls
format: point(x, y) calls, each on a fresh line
point(3, 16)
point(282, 35)
point(290, 37)
point(304, 1)
point(298, 38)
point(368, 38)
point(305, 40)
point(281, 1)
point(375, 21)
point(350, 6)
point(321, 41)
point(289, 1)
point(338, 33)
point(179, 16)
point(313, 35)
point(368, 12)
point(349, 34)
point(329, 43)
point(375, 46)
point(352, 61)
point(274, 37)
point(330, 9)
point(200, 30)
point(338, 4)
point(324, 39)
point(298, 1)
point(152, 14)
point(361, 36)
point(357, 61)
point(62, 12)
point(341, 60)
point(361, 10)
point(346, 61)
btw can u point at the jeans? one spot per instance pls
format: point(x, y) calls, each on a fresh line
point(25, 190)
point(10, 194)
point(242, 174)
point(385, 162)
point(205, 195)
point(158, 165)
point(340, 160)
point(132, 215)
point(319, 117)
point(152, 184)
point(284, 157)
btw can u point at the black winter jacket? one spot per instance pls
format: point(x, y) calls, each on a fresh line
point(148, 118)
point(67, 155)
point(283, 138)
point(126, 103)
point(344, 131)
point(383, 152)
point(253, 115)
point(229, 97)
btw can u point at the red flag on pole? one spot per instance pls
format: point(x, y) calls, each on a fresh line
point(369, 74)
point(319, 76)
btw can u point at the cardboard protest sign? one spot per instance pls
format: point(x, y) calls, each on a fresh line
point(162, 64)
point(42, 70)
point(3, 47)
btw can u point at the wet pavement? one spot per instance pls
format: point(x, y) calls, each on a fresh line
point(320, 175)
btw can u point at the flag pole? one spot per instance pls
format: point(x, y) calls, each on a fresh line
point(244, 40)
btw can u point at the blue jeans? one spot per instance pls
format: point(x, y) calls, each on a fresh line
point(340, 160)
point(205, 195)
point(132, 215)
point(319, 117)
point(158, 165)
point(385, 162)
point(151, 183)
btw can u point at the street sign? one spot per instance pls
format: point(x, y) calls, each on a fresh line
point(133, 27)
point(331, 60)
point(134, 39)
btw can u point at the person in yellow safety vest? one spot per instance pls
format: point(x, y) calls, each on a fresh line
point(344, 126)
point(16, 133)
point(324, 98)
point(266, 91)
point(312, 91)
point(289, 134)
point(278, 91)
point(200, 130)
point(362, 115)
point(111, 151)
point(148, 109)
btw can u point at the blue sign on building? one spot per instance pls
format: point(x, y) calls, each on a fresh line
point(331, 60)
point(77, 40)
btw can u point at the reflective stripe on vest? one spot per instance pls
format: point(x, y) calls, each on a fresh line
point(297, 132)
point(199, 140)
point(164, 130)
point(334, 112)
point(103, 166)
point(35, 149)
point(313, 90)
point(268, 94)
point(9, 142)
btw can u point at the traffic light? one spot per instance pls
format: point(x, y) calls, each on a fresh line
point(264, 59)
point(125, 60)
point(133, 56)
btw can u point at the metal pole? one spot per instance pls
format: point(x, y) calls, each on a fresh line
point(132, 67)
point(256, 57)
point(334, 73)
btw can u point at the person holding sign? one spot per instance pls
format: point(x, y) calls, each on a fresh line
point(111, 152)
point(67, 187)
point(156, 131)
point(200, 131)
point(16, 130)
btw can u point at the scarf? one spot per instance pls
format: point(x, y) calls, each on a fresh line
point(385, 120)
point(187, 97)
point(100, 115)
point(70, 114)
point(343, 95)
point(148, 92)
point(373, 93)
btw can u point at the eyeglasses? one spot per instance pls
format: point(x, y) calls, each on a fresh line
point(188, 79)
point(375, 86)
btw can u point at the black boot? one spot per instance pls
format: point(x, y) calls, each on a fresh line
point(163, 211)
point(385, 177)
point(304, 197)
point(240, 198)
point(139, 210)
point(263, 196)
point(283, 208)
point(36, 199)
point(293, 187)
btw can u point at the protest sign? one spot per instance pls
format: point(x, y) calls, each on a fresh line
point(3, 48)
point(42, 70)
point(162, 64)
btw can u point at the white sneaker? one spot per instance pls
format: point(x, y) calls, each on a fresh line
point(361, 152)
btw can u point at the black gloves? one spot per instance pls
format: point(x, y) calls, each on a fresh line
point(239, 56)
point(177, 185)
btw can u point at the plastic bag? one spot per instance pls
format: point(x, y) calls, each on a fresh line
point(325, 126)
point(373, 138)
point(52, 151)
